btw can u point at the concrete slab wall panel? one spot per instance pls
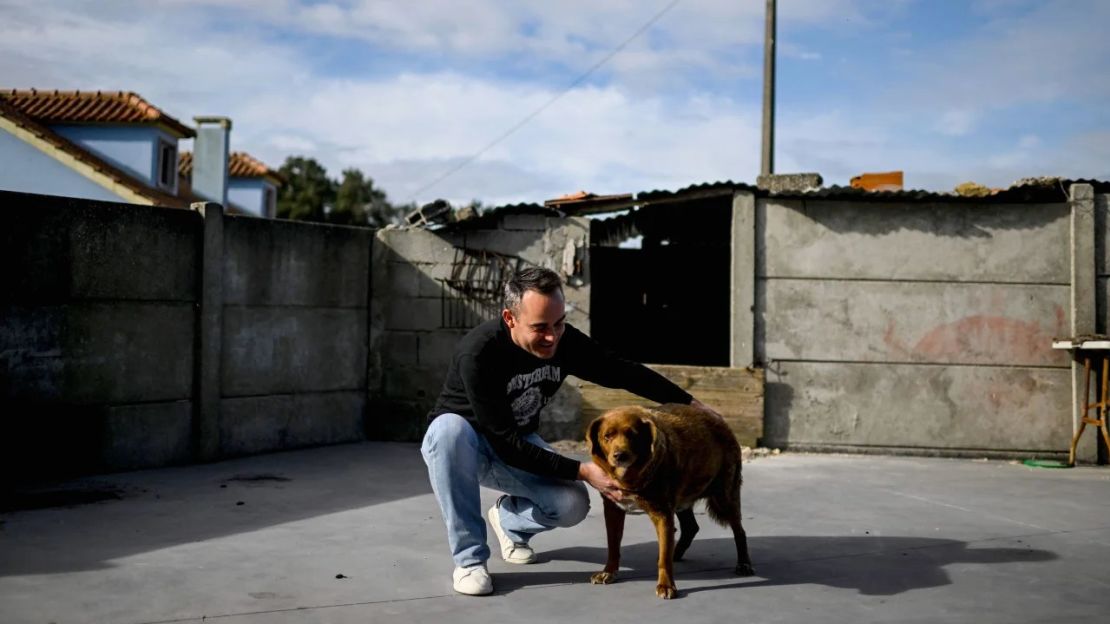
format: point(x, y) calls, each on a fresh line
point(915, 326)
point(283, 421)
point(286, 263)
point(102, 352)
point(56, 249)
point(936, 322)
point(973, 408)
point(279, 350)
point(1010, 243)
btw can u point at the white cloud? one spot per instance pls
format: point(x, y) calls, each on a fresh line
point(596, 138)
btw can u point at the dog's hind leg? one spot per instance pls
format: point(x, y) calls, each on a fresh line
point(688, 528)
point(743, 559)
point(724, 506)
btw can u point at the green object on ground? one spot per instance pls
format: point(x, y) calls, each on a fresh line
point(1046, 463)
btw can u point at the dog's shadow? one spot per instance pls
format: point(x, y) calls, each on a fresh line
point(871, 565)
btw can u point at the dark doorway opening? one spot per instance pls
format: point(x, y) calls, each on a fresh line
point(667, 302)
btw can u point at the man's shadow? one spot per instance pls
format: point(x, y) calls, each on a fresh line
point(871, 565)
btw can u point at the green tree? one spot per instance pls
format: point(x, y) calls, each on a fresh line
point(308, 194)
point(358, 202)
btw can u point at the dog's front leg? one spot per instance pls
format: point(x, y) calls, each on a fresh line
point(614, 533)
point(664, 528)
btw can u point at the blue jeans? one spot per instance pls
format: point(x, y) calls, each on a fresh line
point(459, 460)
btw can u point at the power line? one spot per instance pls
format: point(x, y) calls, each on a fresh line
point(530, 116)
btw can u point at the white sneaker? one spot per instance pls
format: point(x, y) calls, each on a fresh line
point(511, 552)
point(472, 581)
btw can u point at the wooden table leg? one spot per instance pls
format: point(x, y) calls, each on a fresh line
point(1101, 407)
point(1104, 405)
point(1086, 407)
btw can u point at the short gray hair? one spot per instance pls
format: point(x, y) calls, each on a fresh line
point(539, 279)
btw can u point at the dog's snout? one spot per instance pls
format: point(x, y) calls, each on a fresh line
point(620, 455)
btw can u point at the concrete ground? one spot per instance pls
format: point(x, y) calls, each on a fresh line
point(352, 534)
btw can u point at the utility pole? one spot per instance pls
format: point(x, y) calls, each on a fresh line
point(767, 166)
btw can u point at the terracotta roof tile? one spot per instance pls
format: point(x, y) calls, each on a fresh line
point(240, 165)
point(109, 107)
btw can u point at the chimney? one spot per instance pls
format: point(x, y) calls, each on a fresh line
point(210, 154)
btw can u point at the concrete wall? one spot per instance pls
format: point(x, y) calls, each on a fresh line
point(134, 336)
point(97, 317)
point(27, 169)
point(294, 334)
point(1102, 262)
point(915, 326)
point(410, 347)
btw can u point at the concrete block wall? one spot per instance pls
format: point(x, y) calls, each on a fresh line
point(294, 334)
point(409, 344)
point(135, 336)
point(915, 327)
point(97, 322)
point(1102, 261)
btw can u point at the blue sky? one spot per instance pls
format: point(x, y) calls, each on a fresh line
point(947, 91)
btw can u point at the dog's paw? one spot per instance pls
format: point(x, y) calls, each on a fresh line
point(744, 569)
point(666, 591)
point(603, 578)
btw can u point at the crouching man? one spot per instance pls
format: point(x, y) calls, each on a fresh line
point(482, 430)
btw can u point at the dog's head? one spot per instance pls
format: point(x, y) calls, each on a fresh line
point(623, 438)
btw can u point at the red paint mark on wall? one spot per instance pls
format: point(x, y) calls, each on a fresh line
point(995, 338)
point(983, 338)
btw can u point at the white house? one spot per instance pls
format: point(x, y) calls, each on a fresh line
point(116, 146)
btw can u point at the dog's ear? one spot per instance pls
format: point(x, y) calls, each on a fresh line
point(591, 437)
point(658, 442)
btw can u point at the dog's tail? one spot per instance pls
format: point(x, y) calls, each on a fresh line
point(724, 504)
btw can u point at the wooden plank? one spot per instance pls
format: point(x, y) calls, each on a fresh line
point(737, 393)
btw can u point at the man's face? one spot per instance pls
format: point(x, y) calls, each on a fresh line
point(538, 324)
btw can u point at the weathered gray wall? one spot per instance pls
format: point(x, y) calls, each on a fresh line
point(410, 348)
point(97, 308)
point(914, 326)
point(1102, 262)
point(294, 334)
point(134, 336)
point(115, 318)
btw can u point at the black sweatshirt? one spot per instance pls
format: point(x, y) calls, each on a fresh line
point(500, 389)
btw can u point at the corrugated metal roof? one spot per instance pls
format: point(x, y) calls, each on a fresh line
point(1045, 190)
point(705, 188)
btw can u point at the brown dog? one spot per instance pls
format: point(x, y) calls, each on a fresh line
point(666, 459)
